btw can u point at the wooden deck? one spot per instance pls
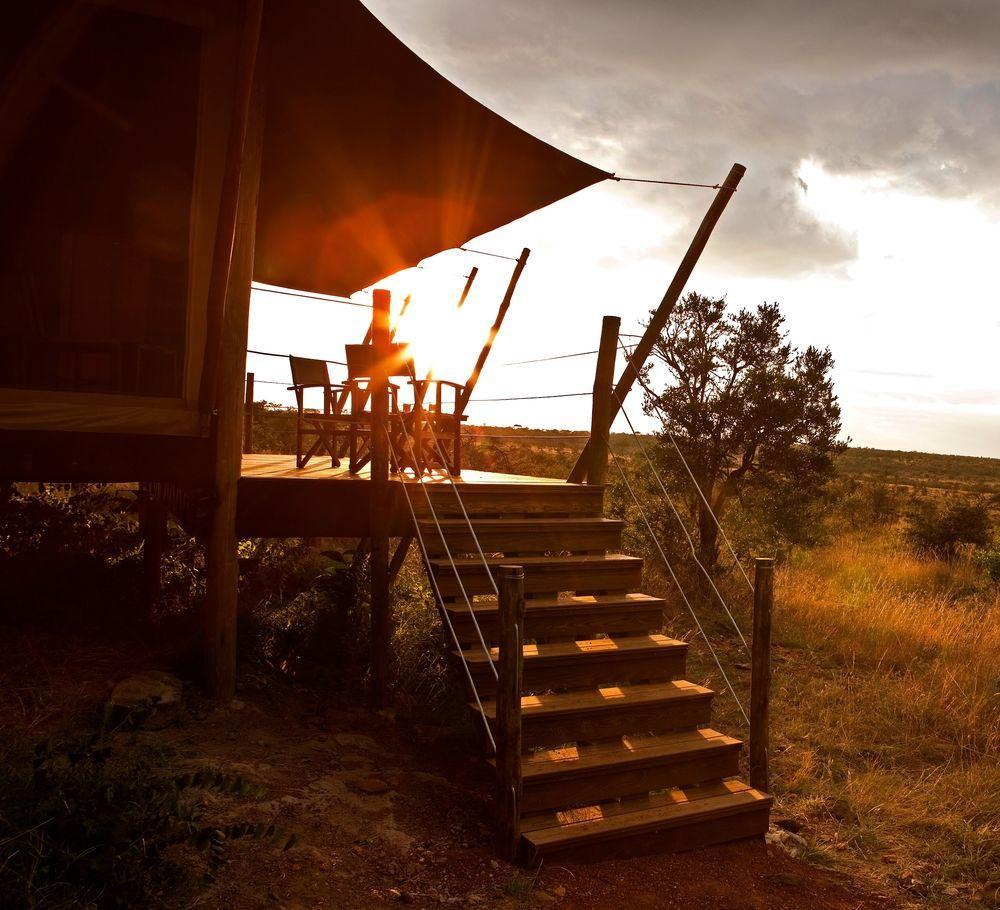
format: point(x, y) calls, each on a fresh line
point(276, 499)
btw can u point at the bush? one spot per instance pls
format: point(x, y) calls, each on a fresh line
point(989, 561)
point(942, 531)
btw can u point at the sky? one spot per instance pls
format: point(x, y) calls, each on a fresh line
point(870, 210)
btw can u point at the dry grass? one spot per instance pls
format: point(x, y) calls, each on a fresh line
point(890, 720)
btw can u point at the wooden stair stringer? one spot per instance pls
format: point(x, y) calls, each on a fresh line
point(619, 759)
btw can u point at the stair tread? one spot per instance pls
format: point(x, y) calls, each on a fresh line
point(534, 521)
point(578, 601)
point(605, 698)
point(526, 561)
point(596, 647)
point(649, 812)
point(629, 750)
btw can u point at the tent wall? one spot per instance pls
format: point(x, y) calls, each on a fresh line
point(111, 182)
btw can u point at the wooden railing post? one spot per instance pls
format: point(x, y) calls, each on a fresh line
point(381, 621)
point(508, 729)
point(248, 416)
point(600, 414)
point(760, 674)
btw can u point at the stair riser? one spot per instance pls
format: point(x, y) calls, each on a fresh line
point(623, 575)
point(599, 785)
point(535, 540)
point(747, 823)
point(564, 624)
point(550, 500)
point(609, 722)
point(589, 672)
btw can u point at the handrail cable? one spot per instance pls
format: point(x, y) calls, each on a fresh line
point(451, 560)
point(465, 514)
point(440, 599)
point(325, 298)
point(466, 249)
point(532, 397)
point(687, 467)
point(684, 597)
point(680, 521)
point(340, 363)
point(518, 363)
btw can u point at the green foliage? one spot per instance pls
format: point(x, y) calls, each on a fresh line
point(748, 412)
point(942, 530)
point(988, 560)
point(867, 504)
point(86, 822)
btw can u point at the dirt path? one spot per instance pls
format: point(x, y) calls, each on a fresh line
point(386, 812)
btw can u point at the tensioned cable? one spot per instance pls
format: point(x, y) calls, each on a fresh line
point(684, 597)
point(461, 505)
point(687, 467)
point(522, 436)
point(444, 611)
point(326, 298)
point(447, 550)
point(466, 249)
point(517, 363)
point(680, 521)
point(707, 186)
point(340, 363)
point(533, 397)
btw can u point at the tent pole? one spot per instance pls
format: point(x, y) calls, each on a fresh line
point(470, 385)
point(222, 567)
point(666, 307)
point(381, 618)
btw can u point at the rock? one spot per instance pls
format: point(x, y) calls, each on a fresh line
point(153, 687)
point(559, 891)
point(743, 667)
point(990, 895)
point(154, 695)
point(371, 785)
point(791, 879)
point(842, 810)
point(792, 844)
point(399, 894)
point(543, 897)
point(788, 824)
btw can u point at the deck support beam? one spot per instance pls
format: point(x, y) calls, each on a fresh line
point(660, 317)
point(381, 618)
point(225, 363)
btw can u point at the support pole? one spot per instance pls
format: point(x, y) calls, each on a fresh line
point(600, 415)
point(470, 385)
point(381, 628)
point(248, 416)
point(221, 564)
point(468, 287)
point(645, 346)
point(760, 674)
point(508, 738)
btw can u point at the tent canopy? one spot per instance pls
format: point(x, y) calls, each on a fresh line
point(114, 123)
point(374, 161)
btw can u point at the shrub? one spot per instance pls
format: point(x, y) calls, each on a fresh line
point(989, 561)
point(942, 531)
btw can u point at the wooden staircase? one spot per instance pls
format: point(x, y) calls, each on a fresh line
point(618, 755)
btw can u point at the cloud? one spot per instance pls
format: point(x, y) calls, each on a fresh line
point(904, 90)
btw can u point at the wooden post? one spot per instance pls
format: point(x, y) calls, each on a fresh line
point(154, 539)
point(468, 287)
point(381, 627)
point(600, 414)
point(508, 729)
point(666, 307)
point(221, 564)
point(470, 385)
point(248, 416)
point(760, 675)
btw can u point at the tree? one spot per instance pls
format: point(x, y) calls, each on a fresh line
point(941, 531)
point(746, 410)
